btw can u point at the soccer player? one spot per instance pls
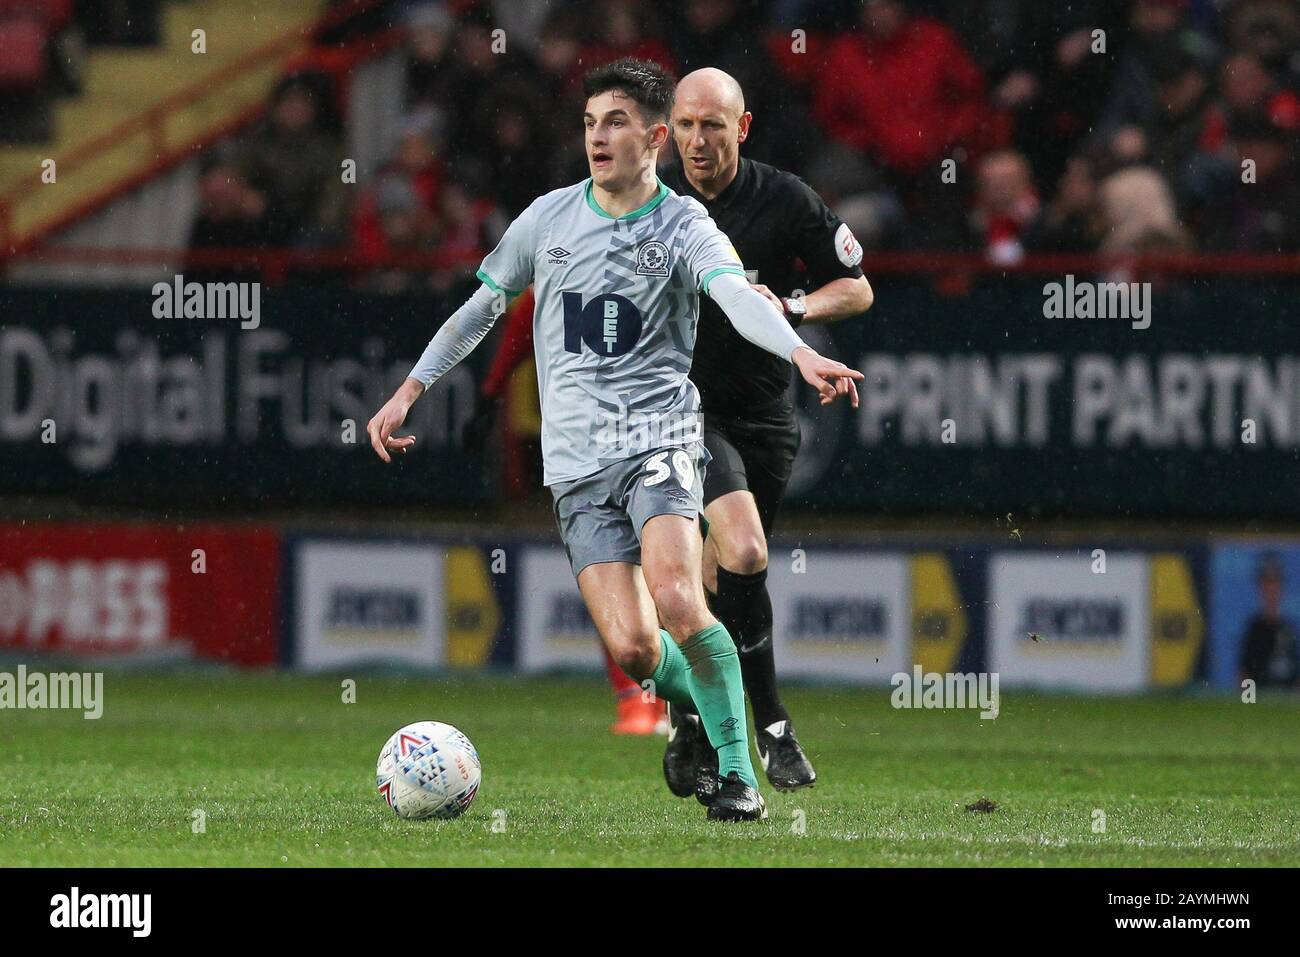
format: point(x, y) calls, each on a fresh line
point(775, 221)
point(617, 263)
point(638, 713)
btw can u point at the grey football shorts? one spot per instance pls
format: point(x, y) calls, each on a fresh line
point(600, 515)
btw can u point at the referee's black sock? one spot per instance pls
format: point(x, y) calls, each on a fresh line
point(745, 607)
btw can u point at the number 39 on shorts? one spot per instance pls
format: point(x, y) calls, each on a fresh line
point(657, 468)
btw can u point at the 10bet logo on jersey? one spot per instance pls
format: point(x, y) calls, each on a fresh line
point(610, 325)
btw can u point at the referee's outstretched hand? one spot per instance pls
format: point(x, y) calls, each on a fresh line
point(832, 379)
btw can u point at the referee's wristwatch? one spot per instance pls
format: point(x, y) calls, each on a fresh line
point(795, 309)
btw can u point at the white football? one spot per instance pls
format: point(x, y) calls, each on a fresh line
point(428, 769)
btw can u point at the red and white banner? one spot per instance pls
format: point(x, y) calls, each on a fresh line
point(156, 591)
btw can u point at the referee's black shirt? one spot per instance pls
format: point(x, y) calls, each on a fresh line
point(777, 224)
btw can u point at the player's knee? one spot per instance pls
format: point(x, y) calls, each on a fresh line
point(748, 556)
point(636, 653)
point(680, 606)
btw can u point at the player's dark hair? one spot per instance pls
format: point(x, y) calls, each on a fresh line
point(645, 82)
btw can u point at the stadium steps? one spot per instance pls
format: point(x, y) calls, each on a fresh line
point(125, 84)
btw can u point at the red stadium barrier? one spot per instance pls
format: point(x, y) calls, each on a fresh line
point(276, 262)
point(196, 592)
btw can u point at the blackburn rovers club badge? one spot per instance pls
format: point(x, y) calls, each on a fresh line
point(652, 259)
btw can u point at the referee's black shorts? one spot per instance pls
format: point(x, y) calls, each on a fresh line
point(755, 451)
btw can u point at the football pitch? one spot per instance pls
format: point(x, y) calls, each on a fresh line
point(277, 771)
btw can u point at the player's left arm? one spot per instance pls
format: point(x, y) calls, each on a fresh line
point(715, 268)
point(755, 319)
point(833, 255)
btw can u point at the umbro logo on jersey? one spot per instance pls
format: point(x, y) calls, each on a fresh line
point(559, 256)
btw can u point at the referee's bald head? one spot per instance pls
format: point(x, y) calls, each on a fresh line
point(713, 87)
point(709, 123)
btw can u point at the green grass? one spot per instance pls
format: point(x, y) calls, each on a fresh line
point(284, 772)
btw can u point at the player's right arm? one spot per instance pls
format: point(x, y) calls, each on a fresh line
point(452, 343)
point(506, 271)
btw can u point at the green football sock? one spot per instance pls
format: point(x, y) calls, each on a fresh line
point(670, 676)
point(715, 683)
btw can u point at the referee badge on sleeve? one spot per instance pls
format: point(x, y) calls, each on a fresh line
point(652, 259)
point(847, 247)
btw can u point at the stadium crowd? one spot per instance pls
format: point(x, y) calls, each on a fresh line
point(1001, 126)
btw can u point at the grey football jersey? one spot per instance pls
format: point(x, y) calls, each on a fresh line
point(617, 302)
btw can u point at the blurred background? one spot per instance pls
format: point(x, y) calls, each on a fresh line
point(181, 485)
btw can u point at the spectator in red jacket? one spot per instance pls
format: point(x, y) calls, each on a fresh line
point(904, 91)
point(1006, 204)
point(417, 161)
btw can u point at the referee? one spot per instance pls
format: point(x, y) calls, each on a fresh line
point(776, 223)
